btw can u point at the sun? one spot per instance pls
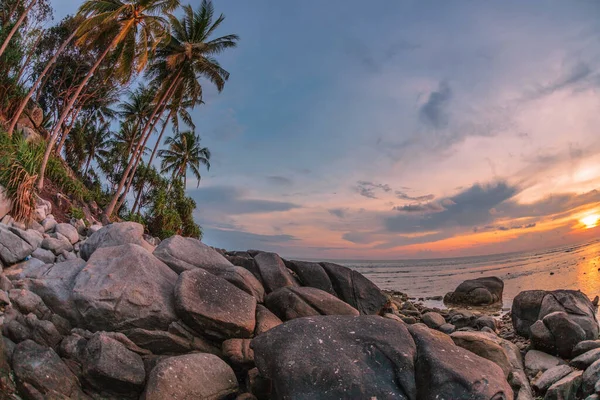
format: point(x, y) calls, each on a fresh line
point(591, 221)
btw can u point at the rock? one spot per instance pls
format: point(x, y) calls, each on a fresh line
point(238, 352)
point(125, 287)
point(371, 357)
point(590, 378)
point(31, 236)
point(28, 302)
point(296, 302)
point(446, 328)
point(355, 289)
point(43, 208)
point(12, 247)
point(5, 203)
point(54, 284)
point(242, 279)
point(109, 366)
point(183, 254)
point(258, 385)
point(556, 334)
point(433, 320)
point(48, 223)
point(312, 274)
point(265, 320)
point(537, 361)
point(44, 255)
point(586, 359)
point(213, 306)
point(41, 374)
point(533, 305)
point(273, 272)
point(192, 376)
point(163, 342)
point(43, 332)
point(551, 376)
point(68, 231)
point(351, 357)
point(477, 292)
point(566, 388)
point(57, 246)
point(116, 234)
point(66, 256)
point(585, 346)
point(486, 321)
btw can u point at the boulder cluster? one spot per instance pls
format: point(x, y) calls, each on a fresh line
point(105, 312)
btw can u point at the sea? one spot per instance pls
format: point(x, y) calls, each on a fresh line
point(567, 267)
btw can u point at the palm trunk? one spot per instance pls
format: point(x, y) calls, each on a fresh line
point(67, 109)
point(60, 145)
point(139, 195)
point(16, 27)
point(138, 158)
point(31, 52)
point(87, 165)
point(37, 82)
point(111, 206)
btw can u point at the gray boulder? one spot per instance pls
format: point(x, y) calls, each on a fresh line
point(212, 306)
point(566, 388)
point(477, 292)
point(41, 374)
point(125, 287)
point(68, 231)
point(584, 360)
point(590, 378)
point(242, 279)
point(537, 361)
point(109, 366)
point(192, 376)
point(46, 256)
point(585, 346)
point(296, 302)
point(273, 272)
point(355, 289)
point(550, 377)
point(13, 248)
point(116, 234)
point(265, 320)
point(31, 236)
point(433, 320)
point(312, 274)
point(164, 342)
point(56, 245)
point(183, 254)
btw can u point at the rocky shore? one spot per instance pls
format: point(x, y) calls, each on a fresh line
point(106, 312)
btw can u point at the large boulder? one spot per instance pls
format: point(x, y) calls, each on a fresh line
point(116, 234)
point(296, 302)
point(109, 366)
point(556, 321)
point(265, 320)
point(125, 287)
point(273, 272)
point(5, 203)
point(41, 374)
point(312, 274)
point(192, 376)
point(242, 279)
point(68, 231)
point(183, 254)
point(164, 342)
point(477, 292)
point(212, 306)
point(371, 357)
point(13, 248)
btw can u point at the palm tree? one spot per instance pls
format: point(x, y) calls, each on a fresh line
point(136, 28)
point(184, 153)
point(97, 139)
point(188, 56)
point(16, 26)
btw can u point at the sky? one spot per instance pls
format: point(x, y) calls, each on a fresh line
point(393, 130)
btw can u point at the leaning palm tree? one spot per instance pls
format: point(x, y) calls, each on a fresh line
point(97, 139)
point(178, 66)
point(136, 28)
point(184, 152)
point(16, 25)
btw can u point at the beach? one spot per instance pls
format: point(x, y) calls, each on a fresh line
point(567, 267)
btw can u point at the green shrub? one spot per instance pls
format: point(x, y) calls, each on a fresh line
point(76, 212)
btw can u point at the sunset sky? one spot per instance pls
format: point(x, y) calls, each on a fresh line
point(386, 129)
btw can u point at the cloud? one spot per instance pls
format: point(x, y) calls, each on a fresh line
point(405, 196)
point(358, 237)
point(228, 128)
point(434, 112)
point(367, 189)
point(466, 209)
point(424, 208)
point(574, 75)
point(372, 60)
point(240, 240)
point(338, 212)
point(279, 180)
point(230, 200)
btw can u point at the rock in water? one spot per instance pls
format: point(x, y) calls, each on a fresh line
point(183, 254)
point(125, 287)
point(192, 376)
point(116, 234)
point(41, 374)
point(296, 302)
point(355, 289)
point(477, 292)
point(211, 305)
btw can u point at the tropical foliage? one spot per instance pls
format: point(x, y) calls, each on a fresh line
point(99, 90)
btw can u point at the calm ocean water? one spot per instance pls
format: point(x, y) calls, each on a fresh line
point(573, 267)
